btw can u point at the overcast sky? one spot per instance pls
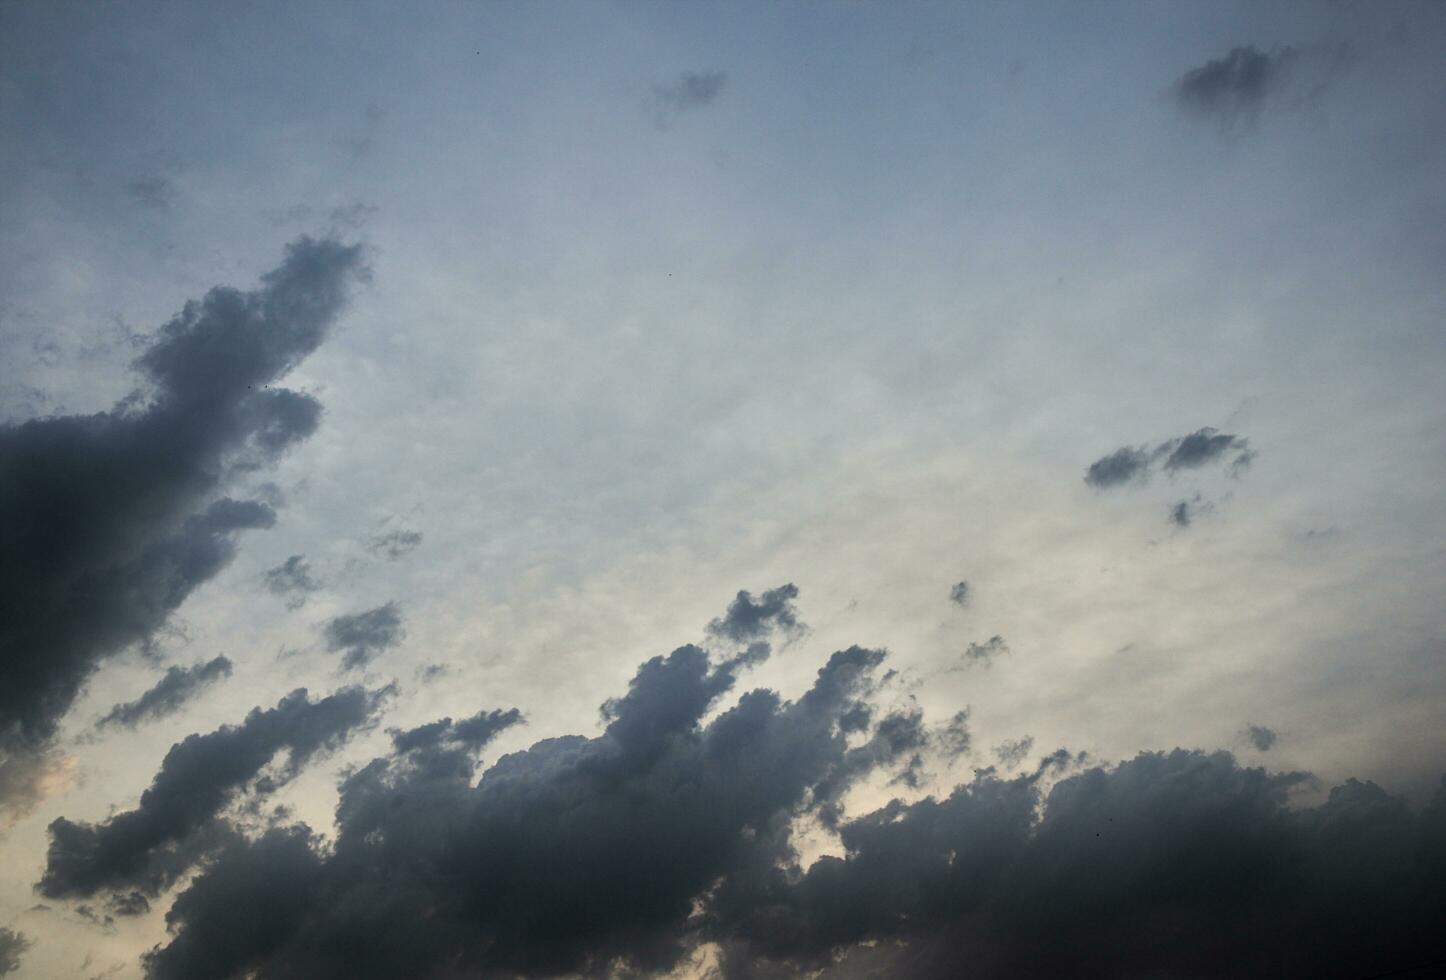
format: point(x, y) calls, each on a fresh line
point(969, 382)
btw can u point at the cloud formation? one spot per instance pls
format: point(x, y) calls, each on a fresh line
point(139, 852)
point(632, 850)
point(689, 92)
point(748, 620)
point(364, 635)
point(959, 594)
point(983, 654)
point(111, 520)
point(1234, 86)
point(292, 580)
point(1132, 464)
point(1261, 737)
point(394, 544)
point(12, 945)
point(171, 692)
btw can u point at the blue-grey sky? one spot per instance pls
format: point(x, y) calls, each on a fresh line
point(1130, 316)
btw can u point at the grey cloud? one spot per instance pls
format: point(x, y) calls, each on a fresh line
point(1183, 513)
point(28, 774)
point(575, 855)
point(983, 654)
point(620, 854)
point(292, 580)
point(111, 520)
point(394, 544)
point(1121, 466)
point(1180, 864)
point(141, 851)
point(1235, 85)
point(153, 192)
point(12, 946)
point(748, 619)
point(1204, 446)
point(171, 692)
point(1012, 752)
point(1262, 738)
point(364, 635)
point(689, 92)
point(959, 594)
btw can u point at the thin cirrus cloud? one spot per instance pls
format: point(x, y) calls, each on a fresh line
point(111, 520)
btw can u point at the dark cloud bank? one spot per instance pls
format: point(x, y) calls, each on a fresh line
point(623, 853)
point(111, 520)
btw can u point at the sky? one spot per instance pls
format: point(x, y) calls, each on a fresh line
point(749, 491)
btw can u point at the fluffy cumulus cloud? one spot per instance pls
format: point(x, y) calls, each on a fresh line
point(169, 695)
point(362, 636)
point(675, 830)
point(111, 520)
point(135, 854)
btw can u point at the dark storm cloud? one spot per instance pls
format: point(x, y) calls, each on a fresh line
point(394, 544)
point(12, 946)
point(1233, 86)
point(570, 855)
point(689, 92)
point(363, 635)
point(626, 851)
point(748, 619)
point(1262, 738)
point(111, 520)
point(1121, 466)
point(172, 691)
point(959, 594)
point(1132, 463)
point(292, 580)
point(142, 850)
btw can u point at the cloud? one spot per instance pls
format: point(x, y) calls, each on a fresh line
point(1119, 467)
point(363, 635)
point(28, 775)
point(111, 520)
point(1235, 86)
point(632, 850)
point(171, 692)
point(139, 852)
point(983, 654)
point(959, 594)
point(292, 580)
point(1131, 464)
point(1262, 738)
point(153, 192)
point(1205, 446)
point(1184, 512)
point(1014, 751)
point(748, 620)
point(394, 544)
point(12, 946)
point(567, 856)
point(689, 92)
